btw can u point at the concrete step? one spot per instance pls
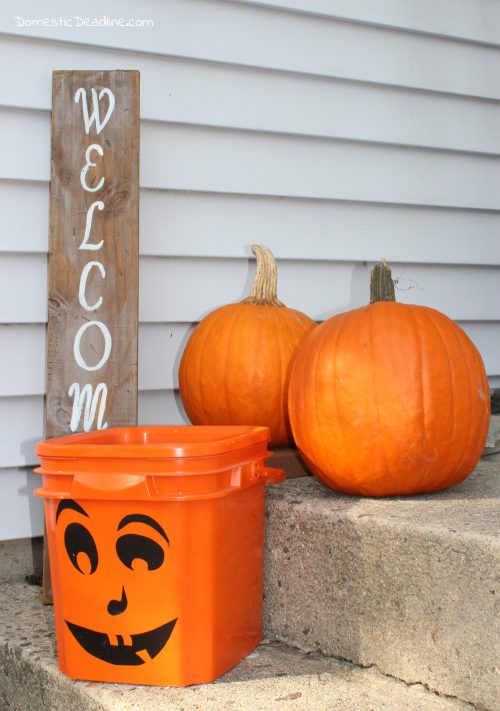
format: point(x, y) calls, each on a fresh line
point(409, 585)
point(272, 678)
point(493, 439)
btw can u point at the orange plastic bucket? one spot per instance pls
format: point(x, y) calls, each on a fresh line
point(155, 540)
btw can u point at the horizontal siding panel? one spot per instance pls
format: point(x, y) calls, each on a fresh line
point(243, 162)
point(273, 39)
point(22, 512)
point(221, 225)
point(176, 290)
point(24, 216)
point(194, 287)
point(23, 357)
point(25, 145)
point(160, 349)
point(205, 93)
point(22, 423)
point(207, 159)
point(21, 427)
point(22, 351)
point(161, 408)
point(475, 20)
point(486, 337)
point(23, 288)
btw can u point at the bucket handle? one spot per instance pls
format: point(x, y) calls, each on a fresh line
point(119, 486)
point(95, 485)
point(272, 475)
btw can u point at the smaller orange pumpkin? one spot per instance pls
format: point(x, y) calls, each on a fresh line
point(389, 399)
point(236, 364)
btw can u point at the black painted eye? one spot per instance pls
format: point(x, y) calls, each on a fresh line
point(81, 548)
point(137, 552)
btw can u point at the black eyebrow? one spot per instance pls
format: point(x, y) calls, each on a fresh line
point(142, 518)
point(70, 504)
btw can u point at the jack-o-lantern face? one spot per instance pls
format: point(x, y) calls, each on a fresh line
point(116, 577)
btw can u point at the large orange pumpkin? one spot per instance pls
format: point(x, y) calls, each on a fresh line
point(235, 367)
point(389, 398)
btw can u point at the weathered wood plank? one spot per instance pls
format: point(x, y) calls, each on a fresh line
point(92, 340)
point(93, 251)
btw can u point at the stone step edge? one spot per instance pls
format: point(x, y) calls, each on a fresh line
point(273, 677)
point(313, 652)
point(390, 582)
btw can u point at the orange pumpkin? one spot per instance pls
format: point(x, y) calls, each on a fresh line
point(389, 398)
point(235, 367)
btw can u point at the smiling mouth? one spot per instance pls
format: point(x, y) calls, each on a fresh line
point(144, 647)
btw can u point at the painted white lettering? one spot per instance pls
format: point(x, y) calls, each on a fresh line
point(89, 164)
point(107, 345)
point(87, 398)
point(94, 117)
point(83, 285)
point(88, 226)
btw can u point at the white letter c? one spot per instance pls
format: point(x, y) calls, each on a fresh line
point(83, 284)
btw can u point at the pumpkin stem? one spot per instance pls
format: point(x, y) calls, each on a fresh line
point(381, 283)
point(265, 285)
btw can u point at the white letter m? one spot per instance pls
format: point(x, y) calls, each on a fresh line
point(88, 399)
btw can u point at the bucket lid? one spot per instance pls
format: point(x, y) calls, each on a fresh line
point(150, 442)
point(170, 463)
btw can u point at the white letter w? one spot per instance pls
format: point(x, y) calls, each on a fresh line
point(94, 117)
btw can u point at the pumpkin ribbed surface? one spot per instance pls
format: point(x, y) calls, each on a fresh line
point(389, 399)
point(236, 365)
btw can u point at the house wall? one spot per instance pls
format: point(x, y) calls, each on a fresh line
point(335, 132)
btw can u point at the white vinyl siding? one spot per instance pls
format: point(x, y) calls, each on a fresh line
point(472, 20)
point(22, 351)
point(336, 132)
point(197, 224)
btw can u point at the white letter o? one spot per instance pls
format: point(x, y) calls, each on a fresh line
point(107, 345)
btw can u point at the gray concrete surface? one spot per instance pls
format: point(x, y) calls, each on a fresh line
point(273, 678)
point(407, 584)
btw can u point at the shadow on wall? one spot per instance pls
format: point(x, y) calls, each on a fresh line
point(175, 371)
point(180, 407)
point(27, 451)
point(246, 288)
point(360, 285)
point(34, 506)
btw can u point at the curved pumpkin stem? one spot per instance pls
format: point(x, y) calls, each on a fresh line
point(265, 284)
point(381, 283)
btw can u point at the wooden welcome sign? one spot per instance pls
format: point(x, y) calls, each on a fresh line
point(93, 254)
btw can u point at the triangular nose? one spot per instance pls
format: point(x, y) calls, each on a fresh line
point(116, 607)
